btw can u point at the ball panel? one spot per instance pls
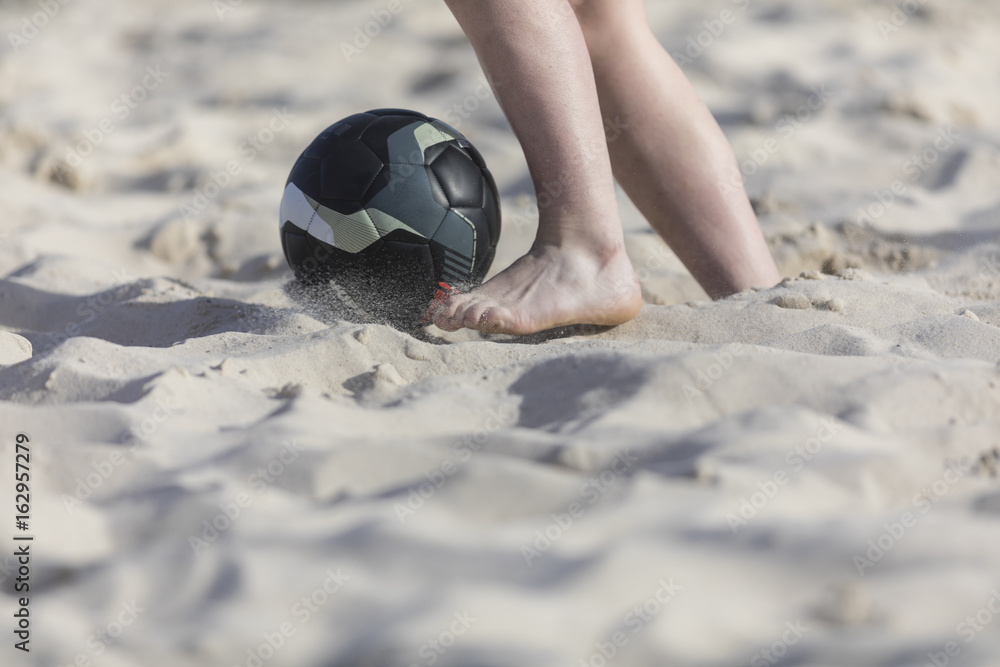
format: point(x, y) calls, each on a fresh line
point(410, 113)
point(491, 185)
point(447, 129)
point(296, 246)
point(382, 180)
point(438, 192)
point(457, 237)
point(391, 138)
point(351, 233)
point(321, 229)
point(400, 140)
point(305, 175)
point(431, 152)
point(459, 177)
point(342, 206)
point(339, 134)
point(295, 208)
point(491, 211)
point(408, 197)
point(485, 247)
point(284, 244)
point(482, 266)
point(386, 223)
point(476, 156)
point(348, 172)
point(427, 136)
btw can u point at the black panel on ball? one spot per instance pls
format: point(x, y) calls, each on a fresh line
point(438, 192)
point(348, 173)
point(398, 112)
point(432, 152)
point(305, 176)
point(491, 209)
point(460, 177)
point(295, 244)
point(339, 134)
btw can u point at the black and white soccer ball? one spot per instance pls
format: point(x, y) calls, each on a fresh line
point(390, 209)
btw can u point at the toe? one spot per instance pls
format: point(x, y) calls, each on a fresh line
point(446, 316)
point(498, 319)
point(472, 318)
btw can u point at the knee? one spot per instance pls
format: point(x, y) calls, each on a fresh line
point(607, 22)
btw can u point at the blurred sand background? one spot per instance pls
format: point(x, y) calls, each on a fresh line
point(798, 476)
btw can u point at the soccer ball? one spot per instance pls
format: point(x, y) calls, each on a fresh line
point(390, 209)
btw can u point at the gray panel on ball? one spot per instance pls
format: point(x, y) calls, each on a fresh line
point(458, 235)
point(408, 198)
point(403, 147)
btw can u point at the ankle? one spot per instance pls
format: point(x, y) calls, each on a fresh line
point(602, 245)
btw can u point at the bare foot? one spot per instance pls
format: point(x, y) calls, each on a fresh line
point(549, 287)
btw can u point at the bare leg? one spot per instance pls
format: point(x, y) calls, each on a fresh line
point(577, 270)
point(672, 158)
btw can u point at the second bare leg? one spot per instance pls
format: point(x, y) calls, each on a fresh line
point(672, 158)
point(577, 271)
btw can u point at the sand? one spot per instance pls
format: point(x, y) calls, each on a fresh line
point(221, 475)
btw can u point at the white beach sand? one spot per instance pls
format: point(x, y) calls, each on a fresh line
point(805, 475)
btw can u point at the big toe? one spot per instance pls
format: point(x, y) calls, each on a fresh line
point(500, 319)
point(448, 316)
point(475, 314)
